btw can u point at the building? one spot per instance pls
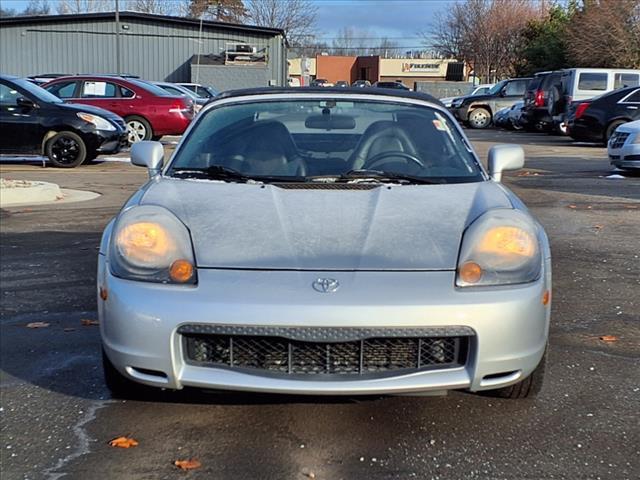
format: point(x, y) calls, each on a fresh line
point(409, 71)
point(154, 47)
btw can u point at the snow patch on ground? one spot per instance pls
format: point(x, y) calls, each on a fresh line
point(83, 443)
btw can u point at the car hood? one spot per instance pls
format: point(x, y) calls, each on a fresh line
point(630, 127)
point(474, 98)
point(79, 107)
point(254, 226)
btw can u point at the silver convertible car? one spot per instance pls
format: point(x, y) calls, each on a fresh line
point(325, 242)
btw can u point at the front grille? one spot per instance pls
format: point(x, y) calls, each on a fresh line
point(618, 139)
point(280, 355)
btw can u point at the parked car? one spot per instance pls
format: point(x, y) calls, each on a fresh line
point(624, 146)
point(361, 84)
point(354, 246)
point(320, 82)
point(509, 118)
point(175, 89)
point(501, 118)
point(35, 122)
point(515, 116)
point(540, 101)
point(580, 84)
point(342, 84)
point(477, 111)
point(149, 111)
point(46, 77)
point(474, 90)
point(595, 120)
point(203, 91)
point(391, 85)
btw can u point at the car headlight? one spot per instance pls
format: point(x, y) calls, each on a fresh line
point(499, 248)
point(456, 103)
point(636, 139)
point(99, 122)
point(149, 243)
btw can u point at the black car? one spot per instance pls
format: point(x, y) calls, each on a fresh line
point(35, 122)
point(477, 110)
point(595, 120)
point(541, 99)
point(393, 85)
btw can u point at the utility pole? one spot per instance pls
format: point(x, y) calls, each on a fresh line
point(118, 38)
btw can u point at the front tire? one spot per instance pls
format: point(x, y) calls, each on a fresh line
point(527, 388)
point(479, 118)
point(66, 150)
point(139, 129)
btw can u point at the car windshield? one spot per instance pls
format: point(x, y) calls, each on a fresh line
point(497, 87)
point(38, 92)
point(334, 139)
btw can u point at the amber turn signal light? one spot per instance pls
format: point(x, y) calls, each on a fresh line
point(181, 271)
point(470, 272)
point(546, 297)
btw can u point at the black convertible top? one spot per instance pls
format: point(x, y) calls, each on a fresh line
point(329, 91)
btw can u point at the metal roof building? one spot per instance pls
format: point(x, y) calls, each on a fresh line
point(155, 47)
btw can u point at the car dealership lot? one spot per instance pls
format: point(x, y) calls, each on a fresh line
point(57, 416)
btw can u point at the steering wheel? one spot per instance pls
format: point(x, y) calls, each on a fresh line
point(372, 162)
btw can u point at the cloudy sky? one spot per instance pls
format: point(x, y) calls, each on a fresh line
point(398, 19)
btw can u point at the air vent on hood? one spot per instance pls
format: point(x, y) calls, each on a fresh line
point(327, 186)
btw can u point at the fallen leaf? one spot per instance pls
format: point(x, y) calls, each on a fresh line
point(123, 442)
point(572, 207)
point(37, 325)
point(598, 227)
point(87, 323)
point(189, 464)
point(308, 473)
point(609, 338)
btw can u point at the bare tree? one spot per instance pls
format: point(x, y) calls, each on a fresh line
point(446, 35)
point(85, 6)
point(605, 33)
point(160, 7)
point(483, 33)
point(37, 7)
point(351, 41)
point(296, 17)
point(232, 11)
point(386, 48)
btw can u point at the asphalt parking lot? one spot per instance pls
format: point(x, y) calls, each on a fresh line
point(57, 416)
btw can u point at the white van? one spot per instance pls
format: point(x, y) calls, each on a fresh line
point(584, 83)
point(577, 84)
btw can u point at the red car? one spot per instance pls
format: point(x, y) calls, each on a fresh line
point(149, 111)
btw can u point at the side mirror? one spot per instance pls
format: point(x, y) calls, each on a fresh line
point(25, 103)
point(505, 157)
point(148, 154)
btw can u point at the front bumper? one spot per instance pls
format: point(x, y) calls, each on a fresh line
point(139, 325)
point(106, 141)
point(460, 113)
point(626, 157)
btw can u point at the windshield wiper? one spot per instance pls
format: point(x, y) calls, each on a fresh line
point(220, 172)
point(382, 176)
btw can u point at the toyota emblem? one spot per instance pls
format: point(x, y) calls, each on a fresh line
point(326, 285)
